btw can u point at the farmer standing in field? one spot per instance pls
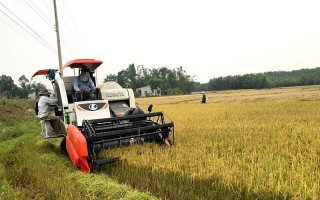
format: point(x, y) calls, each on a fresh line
point(204, 98)
point(44, 110)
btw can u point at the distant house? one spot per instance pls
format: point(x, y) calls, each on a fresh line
point(146, 91)
point(32, 95)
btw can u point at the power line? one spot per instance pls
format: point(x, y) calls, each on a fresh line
point(49, 47)
point(69, 36)
point(74, 27)
point(51, 26)
point(37, 12)
point(43, 40)
point(46, 6)
point(62, 40)
point(10, 25)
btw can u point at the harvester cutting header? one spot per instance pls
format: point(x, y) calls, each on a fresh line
point(106, 117)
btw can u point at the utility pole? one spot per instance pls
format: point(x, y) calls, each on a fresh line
point(58, 37)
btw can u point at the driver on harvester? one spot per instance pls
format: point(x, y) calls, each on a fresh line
point(84, 86)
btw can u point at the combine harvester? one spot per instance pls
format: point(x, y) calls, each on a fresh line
point(110, 121)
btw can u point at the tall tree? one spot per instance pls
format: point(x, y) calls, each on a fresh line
point(110, 77)
point(132, 75)
point(162, 77)
point(37, 87)
point(26, 88)
point(7, 87)
point(122, 78)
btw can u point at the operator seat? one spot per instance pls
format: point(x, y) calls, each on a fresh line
point(68, 83)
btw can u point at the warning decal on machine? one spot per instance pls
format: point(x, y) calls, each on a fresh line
point(92, 106)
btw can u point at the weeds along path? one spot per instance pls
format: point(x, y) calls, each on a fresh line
point(34, 168)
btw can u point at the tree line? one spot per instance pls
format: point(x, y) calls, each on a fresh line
point(169, 81)
point(177, 81)
point(265, 80)
point(8, 89)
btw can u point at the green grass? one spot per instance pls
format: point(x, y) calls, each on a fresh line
point(35, 168)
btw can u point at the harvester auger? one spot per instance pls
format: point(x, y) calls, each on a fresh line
point(112, 120)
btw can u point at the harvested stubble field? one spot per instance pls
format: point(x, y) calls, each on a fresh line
point(242, 144)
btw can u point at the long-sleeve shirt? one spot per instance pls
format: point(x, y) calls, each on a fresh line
point(44, 105)
point(86, 86)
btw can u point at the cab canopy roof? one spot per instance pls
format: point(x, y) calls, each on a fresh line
point(90, 64)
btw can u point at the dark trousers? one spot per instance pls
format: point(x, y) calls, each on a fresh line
point(85, 96)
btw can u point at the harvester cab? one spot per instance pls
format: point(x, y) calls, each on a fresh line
point(111, 120)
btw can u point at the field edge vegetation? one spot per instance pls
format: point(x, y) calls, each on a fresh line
point(34, 168)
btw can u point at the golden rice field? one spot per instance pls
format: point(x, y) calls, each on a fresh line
point(245, 144)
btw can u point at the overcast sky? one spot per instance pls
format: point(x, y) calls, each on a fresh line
point(208, 38)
